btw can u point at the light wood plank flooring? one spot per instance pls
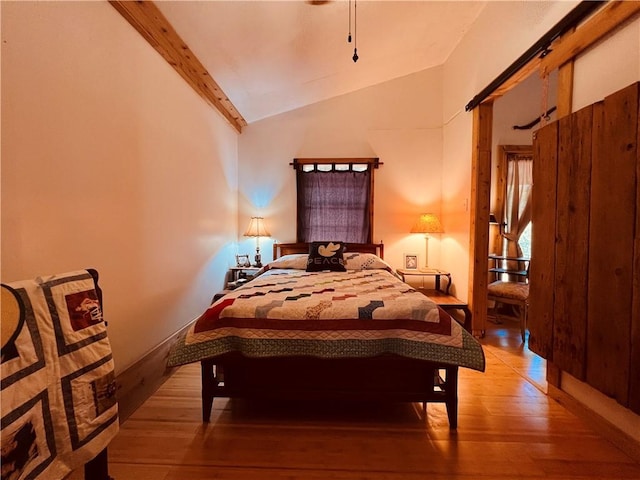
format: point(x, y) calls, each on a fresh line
point(508, 428)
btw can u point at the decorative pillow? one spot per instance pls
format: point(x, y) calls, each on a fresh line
point(295, 261)
point(365, 261)
point(326, 256)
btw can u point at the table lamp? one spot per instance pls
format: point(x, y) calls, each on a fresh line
point(257, 229)
point(427, 223)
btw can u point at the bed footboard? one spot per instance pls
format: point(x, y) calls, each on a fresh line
point(210, 387)
point(387, 378)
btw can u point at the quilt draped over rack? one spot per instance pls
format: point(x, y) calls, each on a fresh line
point(59, 406)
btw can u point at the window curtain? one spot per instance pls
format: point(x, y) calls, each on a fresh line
point(333, 205)
point(517, 212)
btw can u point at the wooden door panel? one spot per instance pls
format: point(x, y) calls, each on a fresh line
point(634, 374)
point(572, 237)
point(611, 243)
point(584, 298)
point(543, 217)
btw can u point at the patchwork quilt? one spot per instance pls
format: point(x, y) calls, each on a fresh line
point(58, 399)
point(353, 314)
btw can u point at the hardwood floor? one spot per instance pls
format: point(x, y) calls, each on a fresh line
point(508, 428)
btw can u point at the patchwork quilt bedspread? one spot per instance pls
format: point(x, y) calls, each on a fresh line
point(353, 314)
point(58, 398)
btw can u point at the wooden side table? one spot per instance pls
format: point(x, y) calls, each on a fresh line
point(448, 303)
point(231, 280)
point(237, 273)
point(432, 272)
point(441, 297)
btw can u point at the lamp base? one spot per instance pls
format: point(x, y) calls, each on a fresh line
point(258, 260)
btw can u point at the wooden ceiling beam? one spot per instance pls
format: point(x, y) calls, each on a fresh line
point(149, 21)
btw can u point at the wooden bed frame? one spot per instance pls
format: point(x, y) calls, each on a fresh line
point(281, 249)
point(381, 378)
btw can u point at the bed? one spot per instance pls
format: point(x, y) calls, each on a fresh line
point(358, 333)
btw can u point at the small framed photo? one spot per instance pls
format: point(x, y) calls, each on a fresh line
point(243, 261)
point(410, 261)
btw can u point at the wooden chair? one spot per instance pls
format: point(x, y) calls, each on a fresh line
point(511, 293)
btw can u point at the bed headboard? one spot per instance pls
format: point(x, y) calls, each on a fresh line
point(280, 249)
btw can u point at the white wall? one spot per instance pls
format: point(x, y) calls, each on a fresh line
point(612, 64)
point(398, 121)
point(109, 160)
point(520, 106)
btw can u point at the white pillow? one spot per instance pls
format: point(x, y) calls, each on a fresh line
point(296, 261)
point(353, 261)
point(365, 261)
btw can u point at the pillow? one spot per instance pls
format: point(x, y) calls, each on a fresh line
point(326, 256)
point(365, 261)
point(296, 261)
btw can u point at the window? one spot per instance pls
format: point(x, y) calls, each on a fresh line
point(514, 200)
point(518, 201)
point(525, 241)
point(335, 199)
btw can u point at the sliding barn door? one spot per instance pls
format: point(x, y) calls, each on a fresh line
point(585, 269)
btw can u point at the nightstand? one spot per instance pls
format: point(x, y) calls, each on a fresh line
point(448, 303)
point(242, 274)
point(431, 272)
point(441, 298)
point(236, 276)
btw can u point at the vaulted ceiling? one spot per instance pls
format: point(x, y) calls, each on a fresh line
point(270, 57)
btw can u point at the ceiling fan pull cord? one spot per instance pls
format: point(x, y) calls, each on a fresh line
point(349, 37)
point(355, 31)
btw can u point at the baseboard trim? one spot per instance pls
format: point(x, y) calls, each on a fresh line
point(141, 380)
point(612, 433)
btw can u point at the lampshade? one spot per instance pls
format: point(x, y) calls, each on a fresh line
point(427, 223)
point(257, 228)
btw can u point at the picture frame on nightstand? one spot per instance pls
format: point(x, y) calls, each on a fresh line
point(411, 261)
point(243, 261)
